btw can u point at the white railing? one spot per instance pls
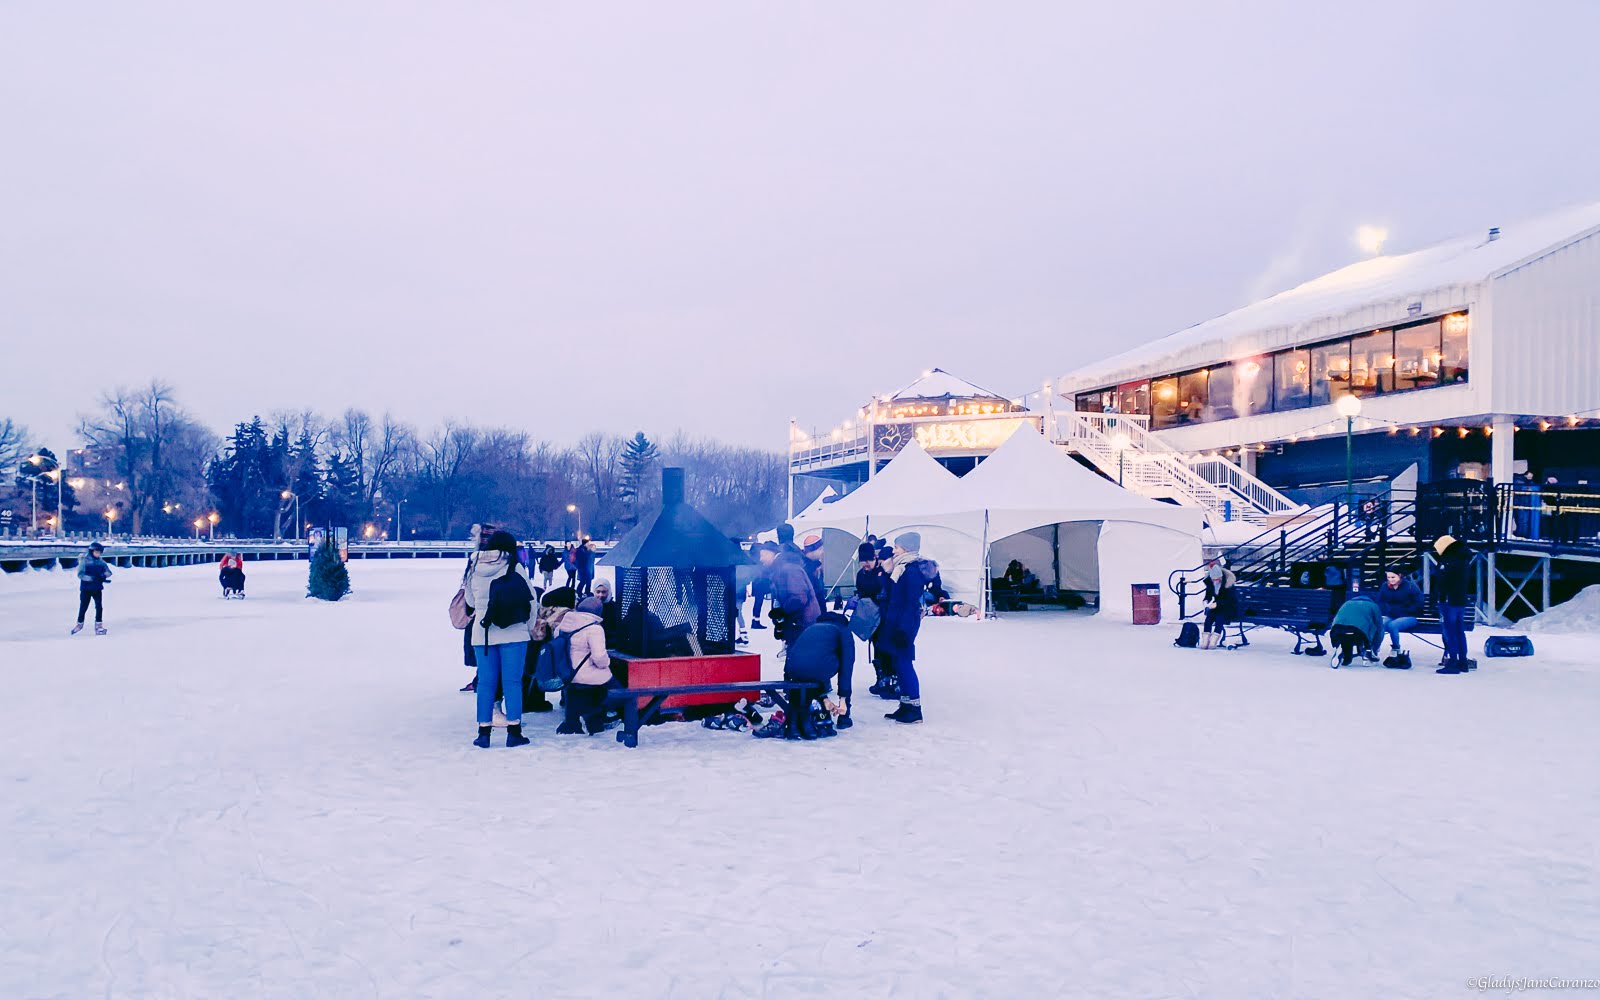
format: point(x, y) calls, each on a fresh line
point(1120, 446)
point(1214, 469)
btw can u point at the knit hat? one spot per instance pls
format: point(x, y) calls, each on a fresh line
point(813, 543)
point(866, 552)
point(885, 553)
point(559, 597)
point(1444, 542)
point(911, 541)
point(592, 605)
point(97, 547)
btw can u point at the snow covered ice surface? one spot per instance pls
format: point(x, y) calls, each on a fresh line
point(277, 798)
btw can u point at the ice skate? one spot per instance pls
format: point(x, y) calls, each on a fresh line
point(76, 629)
point(99, 629)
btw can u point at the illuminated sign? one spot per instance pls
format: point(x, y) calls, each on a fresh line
point(938, 436)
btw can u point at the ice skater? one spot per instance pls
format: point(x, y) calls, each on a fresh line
point(93, 575)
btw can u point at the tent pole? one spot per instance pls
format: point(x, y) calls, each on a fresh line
point(1055, 554)
point(983, 591)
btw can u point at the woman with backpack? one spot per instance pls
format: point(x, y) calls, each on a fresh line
point(502, 602)
point(585, 697)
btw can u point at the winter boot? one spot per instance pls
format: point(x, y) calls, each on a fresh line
point(759, 624)
point(844, 721)
point(472, 685)
point(743, 639)
point(1451, 666)
point(573, 728)
point(483, 737)
point(822, 724)
point(538, 703)
point(514, 737)
point(1465, 664)
point(99, 629)
point(907, 713)
point(76, 629)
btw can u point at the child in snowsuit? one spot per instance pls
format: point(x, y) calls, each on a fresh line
point(93, 575)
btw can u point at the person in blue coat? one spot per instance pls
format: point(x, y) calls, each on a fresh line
point(912, 577)
point(1400, 601)
point(825, 650)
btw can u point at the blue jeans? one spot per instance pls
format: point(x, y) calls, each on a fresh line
point(1394, 626)
point(1453, 629)
point(910, 687)
point(500, 666)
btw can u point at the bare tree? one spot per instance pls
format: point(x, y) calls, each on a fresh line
point(13, 445)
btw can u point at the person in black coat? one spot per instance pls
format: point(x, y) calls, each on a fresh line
point(1400, 602)
point(872, 584)
point(584, 559)
point(902, 620)
point(825, 650)
point(549, 562)
point(812, 551)
point(1457, 591)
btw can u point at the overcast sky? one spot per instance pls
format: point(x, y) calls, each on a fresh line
point(721, 215)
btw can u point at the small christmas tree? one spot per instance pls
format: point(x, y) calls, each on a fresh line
point(329, 578)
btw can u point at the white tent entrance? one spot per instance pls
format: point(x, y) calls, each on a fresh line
point(1026, 497)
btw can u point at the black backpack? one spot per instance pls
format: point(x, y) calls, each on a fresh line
point(1188, 636)
point(510, 600)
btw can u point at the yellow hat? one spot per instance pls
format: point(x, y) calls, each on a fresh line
point(1444, 542)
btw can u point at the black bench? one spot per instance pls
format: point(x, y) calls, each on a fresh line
point(634, 715)
point(1428, 622)
point(1301, 612)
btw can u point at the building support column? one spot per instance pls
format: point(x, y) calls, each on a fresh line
point(1502, 448)
point(1247, 459)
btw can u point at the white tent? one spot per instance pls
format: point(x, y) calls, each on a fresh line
point(1014, 501)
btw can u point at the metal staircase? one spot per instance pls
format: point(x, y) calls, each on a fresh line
point(1120, 446)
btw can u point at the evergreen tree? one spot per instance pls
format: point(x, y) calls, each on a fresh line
point(638, 455)
point(329, 579)
point(342, 496)
point(47, 469)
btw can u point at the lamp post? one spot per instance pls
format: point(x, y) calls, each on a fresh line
point(111, 519)
point(199, 523)
point(572, 508)
point(397, 534)
point(1120, 442)
point(1349, 408)
point(213, 517)
point(291, 496)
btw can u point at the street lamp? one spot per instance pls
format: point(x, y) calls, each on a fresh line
point(213, 517)
point(572, 508)
point(199, 523)
point(1120, 442)
point(290, 496)
point(111, 518)
point(1349, 407)
point(397, 535)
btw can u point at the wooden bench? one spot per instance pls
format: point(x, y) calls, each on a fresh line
point(635, 714)
point(1298, 611)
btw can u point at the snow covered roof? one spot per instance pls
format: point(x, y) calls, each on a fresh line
point(940, 384)
point(1272, 322)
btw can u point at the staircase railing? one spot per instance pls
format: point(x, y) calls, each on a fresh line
point(1119, 446)
point(1229, 475)
point(1356, 531)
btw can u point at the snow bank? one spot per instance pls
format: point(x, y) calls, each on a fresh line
point(276, 798)
point(1581, 613)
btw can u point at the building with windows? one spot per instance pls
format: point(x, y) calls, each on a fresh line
point(1475, 357)
point(956, 422)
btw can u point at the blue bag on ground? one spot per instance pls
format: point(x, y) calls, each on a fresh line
point(1508, 645)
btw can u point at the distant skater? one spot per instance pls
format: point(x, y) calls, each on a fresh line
point(93, 575)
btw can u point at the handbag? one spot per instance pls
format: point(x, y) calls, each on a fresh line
point(460, 611)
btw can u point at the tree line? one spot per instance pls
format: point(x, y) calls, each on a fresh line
point(149, 467)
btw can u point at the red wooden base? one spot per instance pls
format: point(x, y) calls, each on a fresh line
point(639, 672)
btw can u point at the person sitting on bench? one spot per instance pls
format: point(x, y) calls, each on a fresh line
point(1222, 604)
point(823, 650)
point(1400, 602)
point(1357, 629)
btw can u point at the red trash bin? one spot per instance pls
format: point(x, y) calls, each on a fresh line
point(1147, 604)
